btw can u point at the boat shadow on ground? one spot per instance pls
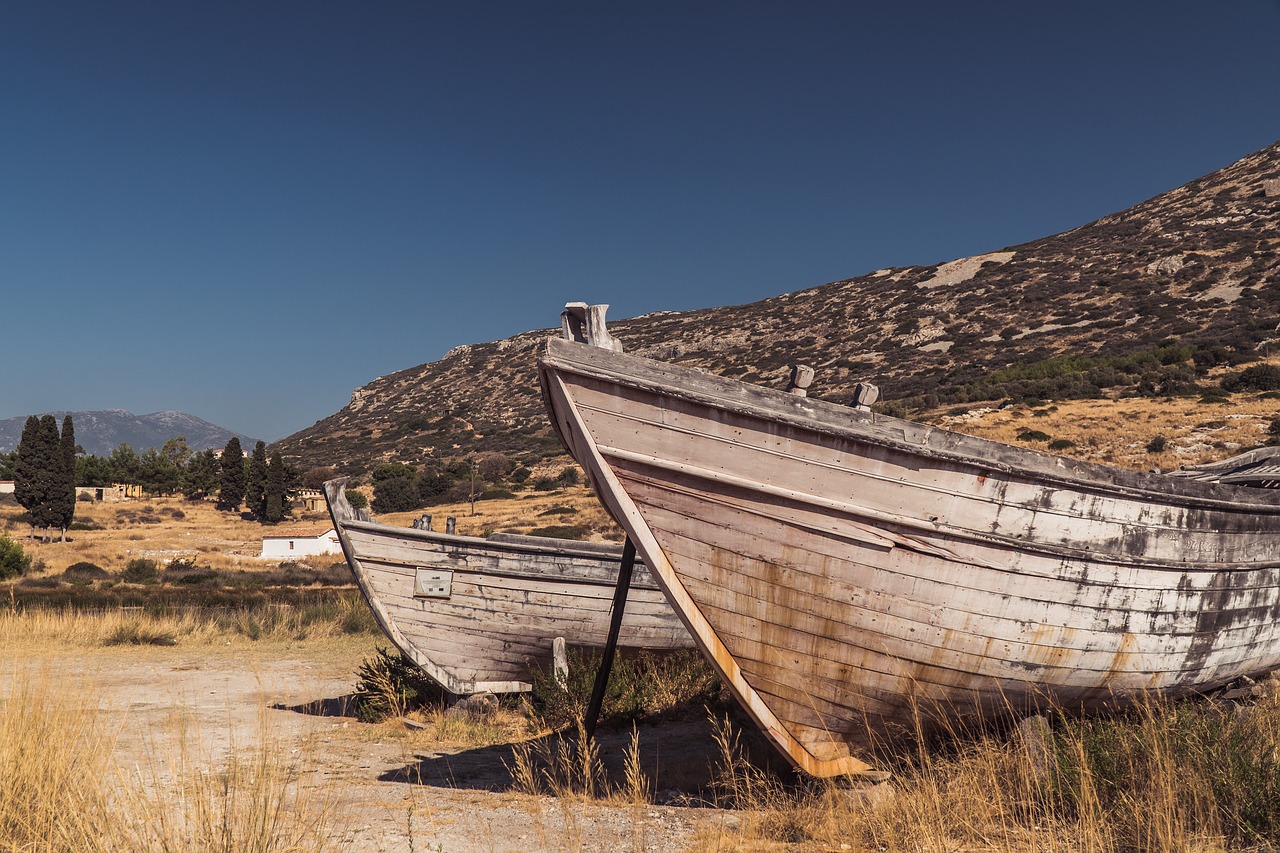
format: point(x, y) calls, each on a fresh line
point(678, 758)
point(337, 706)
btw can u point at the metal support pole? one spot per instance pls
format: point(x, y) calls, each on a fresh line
point(611, 645)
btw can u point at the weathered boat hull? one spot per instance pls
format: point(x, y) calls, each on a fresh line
point(476, 614)
point(847, 571)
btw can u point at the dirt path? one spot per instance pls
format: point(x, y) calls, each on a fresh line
point(396, 789)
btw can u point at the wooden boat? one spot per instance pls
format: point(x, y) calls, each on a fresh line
point(849, 573)
point(476, 613)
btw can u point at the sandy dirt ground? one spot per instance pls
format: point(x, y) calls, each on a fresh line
point(396, 790)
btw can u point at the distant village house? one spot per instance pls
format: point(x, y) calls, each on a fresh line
point(300, 542)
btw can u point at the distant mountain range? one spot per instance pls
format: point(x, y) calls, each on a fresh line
point(1145, 301)
point(101, 432)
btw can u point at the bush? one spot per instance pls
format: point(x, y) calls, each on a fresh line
point(356, 499)
point(186, 572)
point(1260, 377)
point(1157, 444)
point(562, 531)
point(390, 685)
point(1033, 435)
point(140, 570)
point(86, 572)
point(13, 560)
point(394, 493)
point(1061, 444)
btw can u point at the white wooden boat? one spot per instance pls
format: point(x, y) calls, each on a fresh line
point(849, 573)
point(476, 613)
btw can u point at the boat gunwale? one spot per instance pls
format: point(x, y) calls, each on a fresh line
point(770, 405)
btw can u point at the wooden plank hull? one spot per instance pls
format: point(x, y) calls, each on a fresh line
point(851, 574)
point(508, 599)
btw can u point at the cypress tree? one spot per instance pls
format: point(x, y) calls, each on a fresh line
point(49, 480)
point(277, 487)
point(67, 446)
point(255, 489)
point(24, 467)
point(231, 476)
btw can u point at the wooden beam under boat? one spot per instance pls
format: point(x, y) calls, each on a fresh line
point(477, 613)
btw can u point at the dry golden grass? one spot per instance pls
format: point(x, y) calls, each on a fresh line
point(573, 505)
point(1187, 776)
point(27, 629)
point(1117, 432)
point(63, 787)
point(159, 529)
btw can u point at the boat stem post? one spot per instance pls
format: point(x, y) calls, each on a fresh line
point(611, 645)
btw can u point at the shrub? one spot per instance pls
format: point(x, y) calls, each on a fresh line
point(496, 494)
point(1061, 444)
point(186, 572)
point(390, 685)
point(86, 572)
point(1260, 377)
point(13, 560)
point(140, 570)
point(1157, 444)
point(356, 499)
point(569, 476)
point(562, 531)
point(1033, 435)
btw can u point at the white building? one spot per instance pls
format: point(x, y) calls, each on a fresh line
point(300, 542)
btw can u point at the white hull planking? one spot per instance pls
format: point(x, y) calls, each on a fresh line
point(845, 571)
point(509, 599)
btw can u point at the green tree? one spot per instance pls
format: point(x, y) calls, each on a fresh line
point(231, 476)
point(433, 483)
point(47, 494)
point(200, 479)
point(124, 465)
point(157, 473)
point(177, 451)
point(92, 471)
point(7, 461)
point(255, 487)
point(67, 499)
point(26, 465)
point(276, 498)
point(395, 488)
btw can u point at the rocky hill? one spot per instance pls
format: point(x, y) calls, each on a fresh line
point(100, 432)
point(1142, 301)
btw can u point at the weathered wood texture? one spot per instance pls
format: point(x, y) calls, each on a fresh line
point(850, 573)
point(510, 598)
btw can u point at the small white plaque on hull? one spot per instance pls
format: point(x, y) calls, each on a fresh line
point(432, 583)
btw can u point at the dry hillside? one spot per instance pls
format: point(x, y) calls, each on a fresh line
point(1148, 301)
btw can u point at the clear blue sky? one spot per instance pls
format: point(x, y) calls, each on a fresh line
point(246, 210)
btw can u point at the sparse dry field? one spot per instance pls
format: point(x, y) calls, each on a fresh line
point(128, 731)
point(1117, 432)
